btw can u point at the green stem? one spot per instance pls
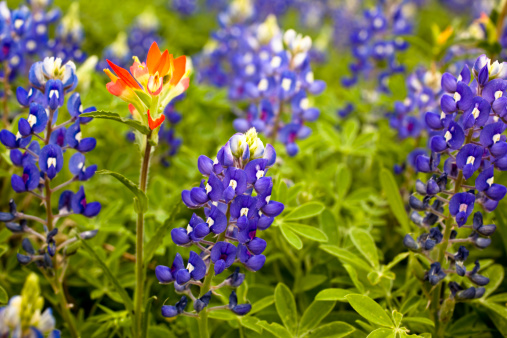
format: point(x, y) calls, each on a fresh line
point(139, 291)
point(435, 306)
point(203, 316)
point(66, 314)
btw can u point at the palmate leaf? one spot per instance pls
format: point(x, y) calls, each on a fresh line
point(141, 205)
point(100, 114)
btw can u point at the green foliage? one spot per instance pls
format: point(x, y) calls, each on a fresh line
point(116, 117)
point(335, 264)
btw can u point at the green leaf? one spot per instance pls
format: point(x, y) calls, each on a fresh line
point(309, 282)
point(498, 309)
point(382, 333)
point(141, 197)
point(397, 259)
point(250, 323)
point(262, 304)
point(4, 298)
point(328, 224)
point(286, 307)
point(369, 309)
point(393, 197)
point(314, 314)
point(281, 195)
point(499, 298)
point(274, 328)
point(366, 245)
point(308, 231)
point(146, 315)
point(347, 257)
point(343, 180)
point(291, 237)
point(307, 210)
point(119, 289)
point(495, 273)
point(334, 330)
point(397, 317)
point(419, 320)
point(100, 114)
point(222, 315)
point(333, 295)
point(353, 276)
point(3, 249)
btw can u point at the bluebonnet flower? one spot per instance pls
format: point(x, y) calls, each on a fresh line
point(69, 37)
point(375, 41)
point(23, 316)
point(41, 159)
point(236, 198)
point(172, 311)
point(266, 68)
point(185, 7)
point(470, 140)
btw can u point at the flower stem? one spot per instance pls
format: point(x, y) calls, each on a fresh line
point(66, 314)
point(435, 306)
point(206, 286)
point(139, 291)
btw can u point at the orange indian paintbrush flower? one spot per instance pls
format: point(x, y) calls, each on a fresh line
point(150, 85)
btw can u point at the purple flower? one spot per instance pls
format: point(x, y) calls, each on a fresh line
point(461, 206)
point(75, 140)
point(234, 182)
point(28, 181)
point(494, 90)
point(36, 123)
point(166, 275)
point(12, 141)
point(478, 114)
point(80, 206)
point(216, 219)
point(452, 139)
point(51, 160)
point(435, 274)
point(170, 311)
point(239, 309)
point(492, 138)
point(469, 159)
point(196, 270)
point(196, 230)
point(252, 262)
point(77, 167)
point(223, 254)
point(484, 183)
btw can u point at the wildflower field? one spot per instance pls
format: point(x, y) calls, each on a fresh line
point(253, 168)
